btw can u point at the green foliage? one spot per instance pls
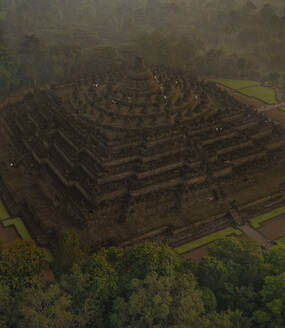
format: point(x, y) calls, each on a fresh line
point(236, 84)
point(207, 239)
point(251, 88)
point(265, 94)
point(69, 252)
point(148, 303)
point(212, 273)
point(61, 40)
point(32, 59)
point(187, 265)
point(103, 279)
point(21, 263)
point(147, 285)
point(160, 302)
point(92, 285)
point(244, 259)
point(6, 306)
point(3, 212)
point(143, 259)
point(19, 226)
point(238, 319)
point(276, 258)
point(273, 296)
point(209, 300)
point(256, 222)
point(45, 308)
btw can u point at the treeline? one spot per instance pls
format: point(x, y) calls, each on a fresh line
point(238, 285)
point(50, 41)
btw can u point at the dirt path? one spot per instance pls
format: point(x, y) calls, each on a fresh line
point(274, 228)
point(270, 107)
point(279, 95)
point(257, 236)
point(7, 235)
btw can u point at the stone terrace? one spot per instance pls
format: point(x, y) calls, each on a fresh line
point(148, 148)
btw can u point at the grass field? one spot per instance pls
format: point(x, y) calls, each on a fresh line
point(251, 89)
point(19, 226)
point(207, 239)
point(283, 108)
point(237, 84)
point(256, 222)
point(3, 212)
point(265, 94)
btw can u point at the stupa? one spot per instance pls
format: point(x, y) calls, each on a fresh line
point(139, 152)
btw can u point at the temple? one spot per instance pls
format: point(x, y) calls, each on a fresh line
point(144, 152)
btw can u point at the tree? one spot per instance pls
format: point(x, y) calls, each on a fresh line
point(160, 302)
point(147, 304)
point(273, 297)
point(92, 285)
point(7, 306)
point(244, 260)
point(31, 52)
point(8, 71)
point(21, 263)
point(2, 42)
point(143, 259)
point(267, 12)
point(187, 306)
point(212, 273)
point(48, 308)
point(107, 57)
point(276, 258)
point(187, 265)
point(209, 300)
point(69, 251)
point(6, 81)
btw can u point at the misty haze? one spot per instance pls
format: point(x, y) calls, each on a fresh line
point(142, 163)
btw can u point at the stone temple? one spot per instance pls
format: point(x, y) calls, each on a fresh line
point(139, 154)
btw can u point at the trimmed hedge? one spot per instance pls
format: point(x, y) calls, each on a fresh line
point(19, 226)
point(236, 84)
point(256, 222)
point(207, 239)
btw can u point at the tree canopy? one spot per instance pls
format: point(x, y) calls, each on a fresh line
point(146, 285)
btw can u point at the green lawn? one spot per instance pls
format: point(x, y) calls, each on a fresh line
point(236, 84)
point(283, 108)
point(265, 94)
point(250, 88)
point(256, 222)
point(19, 226)
point(207, 239)
point(3, 212)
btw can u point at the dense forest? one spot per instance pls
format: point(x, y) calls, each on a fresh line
point(44, 42)
point(238, 285)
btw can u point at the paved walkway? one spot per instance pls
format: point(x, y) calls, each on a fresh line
point(270, 107)
point(256, 236)
point(279, 94)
